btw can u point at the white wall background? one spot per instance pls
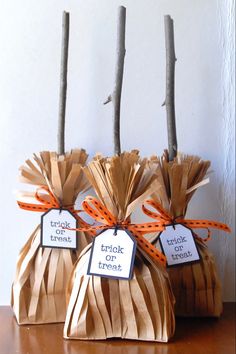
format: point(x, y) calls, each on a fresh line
point(30, 39)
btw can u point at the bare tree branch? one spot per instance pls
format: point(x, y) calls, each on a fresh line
point(115, 97)
point(170, 86)
point(63, 82)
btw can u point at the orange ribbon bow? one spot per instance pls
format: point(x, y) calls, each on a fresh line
point(101, 214)
point(49, 201)
point(164, 218)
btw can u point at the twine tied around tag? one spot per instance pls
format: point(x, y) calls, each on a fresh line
point(164, 218)
point(101, 214)
point(47, 201)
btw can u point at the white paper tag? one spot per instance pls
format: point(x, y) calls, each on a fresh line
point(178, 245)
point(112, 256)
point(52, 232)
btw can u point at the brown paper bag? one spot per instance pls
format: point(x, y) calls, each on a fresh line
point(196, 287)
point(140, 308)
point(38, 291)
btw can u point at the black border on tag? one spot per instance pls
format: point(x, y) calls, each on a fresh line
point(132, 258)
point(183, 263)
point(41, 231)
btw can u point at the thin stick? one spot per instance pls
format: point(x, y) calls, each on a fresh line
point(170, 86)
point(115, 97)
point(63, 82)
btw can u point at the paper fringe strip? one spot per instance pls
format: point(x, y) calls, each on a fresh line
point(197, 287)
point(42, 274)
point(101, 308)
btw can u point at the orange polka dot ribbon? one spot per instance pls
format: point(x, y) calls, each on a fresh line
point(48, 201)
point(164, 218)
point(101, 214)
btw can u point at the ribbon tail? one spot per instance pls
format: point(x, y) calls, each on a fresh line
point(203, 239)
point(152, 251)
point(32, 207)
point(146, 228)
point(90, 229)
point(205, 224)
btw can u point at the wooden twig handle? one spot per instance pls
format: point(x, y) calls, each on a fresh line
point(63, 82)
point(115, 97)
point(170, 86)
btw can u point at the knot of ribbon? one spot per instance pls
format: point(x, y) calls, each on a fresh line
point(101, 214)
point(164, 218)
point(47, 201)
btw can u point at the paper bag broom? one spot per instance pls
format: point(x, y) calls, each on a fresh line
point(196, 286)
point(42, 273)
point(100, 307)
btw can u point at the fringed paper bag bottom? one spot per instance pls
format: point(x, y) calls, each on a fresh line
point(101, 308)
point(39, 288)
point(197, 287)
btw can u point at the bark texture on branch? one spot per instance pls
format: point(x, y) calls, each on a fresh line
point(170, 86)
point(115, 97)
point(63, 83)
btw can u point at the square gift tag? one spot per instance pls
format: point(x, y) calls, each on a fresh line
point(178, 245)
point(53, 232)
point(112, 254)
